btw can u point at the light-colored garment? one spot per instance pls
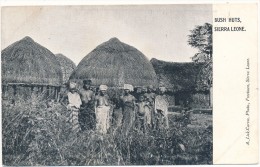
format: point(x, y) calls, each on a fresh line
point(102, 118)
point(103, 87)
point(73, 107)
point(74, 100)
point(74, 120)
point(162, 104)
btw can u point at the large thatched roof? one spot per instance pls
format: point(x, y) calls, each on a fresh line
point(27, 62)
point(177, 76)
point(67, 66)
point(115, 63)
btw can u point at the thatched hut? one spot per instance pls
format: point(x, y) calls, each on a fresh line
point(26, 67)
point(67, 67)
point(181, 79)
point(114, 63)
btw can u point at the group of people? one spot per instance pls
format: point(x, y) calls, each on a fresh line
point(141, 109)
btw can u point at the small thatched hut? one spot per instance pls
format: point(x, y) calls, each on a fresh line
point(114, 63)
point(67, 67)
point(29, 67)
point(181, 79)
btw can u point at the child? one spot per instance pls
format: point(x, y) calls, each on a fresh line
point(117, 115)
point(142, 109)
point(149, 98)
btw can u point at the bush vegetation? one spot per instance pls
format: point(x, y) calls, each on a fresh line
point(37, 134)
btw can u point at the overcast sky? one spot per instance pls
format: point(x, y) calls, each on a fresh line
point(157, 31)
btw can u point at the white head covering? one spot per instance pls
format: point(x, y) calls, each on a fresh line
point(72, 85)
point(129, 87)
point(103, 87)
point(162, 88)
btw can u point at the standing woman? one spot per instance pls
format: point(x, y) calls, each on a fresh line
point(73, 102)
point(102, 110)
point(128, 106)
point(87, 117)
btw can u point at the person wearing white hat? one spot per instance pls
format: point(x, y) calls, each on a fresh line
point(128, 87)
point(128, 106)
point(161, 109)
point(102, 110)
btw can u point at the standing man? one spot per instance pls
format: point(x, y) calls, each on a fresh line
point(102, 109)
point(73, 102)
point(161, 109)
point(150, 97)
point(87, 117)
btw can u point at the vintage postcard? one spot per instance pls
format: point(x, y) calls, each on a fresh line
point(129, 84)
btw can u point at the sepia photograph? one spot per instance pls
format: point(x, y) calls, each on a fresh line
point(107, 85)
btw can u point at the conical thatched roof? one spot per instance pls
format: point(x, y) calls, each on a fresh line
point(114, 63)
point(67, 66)
point(27, 62)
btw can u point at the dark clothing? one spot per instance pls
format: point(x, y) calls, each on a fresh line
point(87, 116)
point(117, 117)
point(128, 117)
point(141, 123)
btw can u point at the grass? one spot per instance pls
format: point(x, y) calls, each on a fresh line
point(36, 135)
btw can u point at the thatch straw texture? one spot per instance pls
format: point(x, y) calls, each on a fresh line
point(67, 67)
point(115, 63)
point(177, 76)
point(27, 62)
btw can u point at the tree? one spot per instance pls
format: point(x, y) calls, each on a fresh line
point(201, 38)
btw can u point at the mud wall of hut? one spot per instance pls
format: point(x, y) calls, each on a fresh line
point(200, 100)
point(193, 99)
point(171, 100)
